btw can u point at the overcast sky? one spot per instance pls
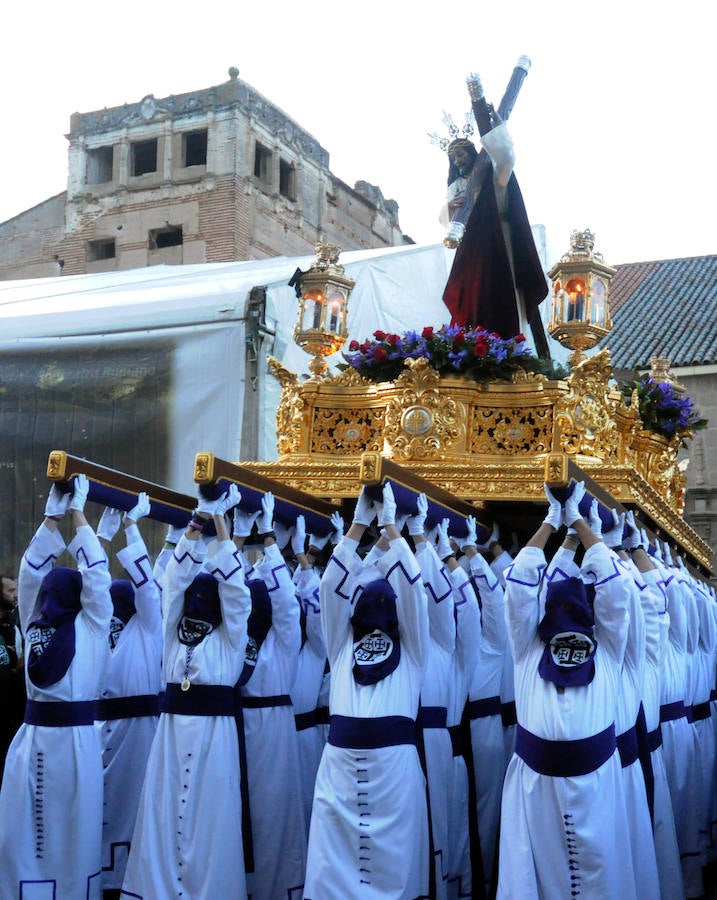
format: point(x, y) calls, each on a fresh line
point(614, 128)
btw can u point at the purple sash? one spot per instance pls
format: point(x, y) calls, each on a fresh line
point(133, 707)
point(481, 709)
point(60, 713)
point(565, 759)
point(371, 734)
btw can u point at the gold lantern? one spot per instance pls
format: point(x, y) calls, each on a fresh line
point(580, 284)
point(323, 294)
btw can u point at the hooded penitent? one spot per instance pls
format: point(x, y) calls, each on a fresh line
point(258, 625)
point(51, 637)
point(377, 648)
point(202, 610)
point(123, 608)
point(567, 631)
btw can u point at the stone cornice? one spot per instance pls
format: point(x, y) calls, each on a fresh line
point(232, 94)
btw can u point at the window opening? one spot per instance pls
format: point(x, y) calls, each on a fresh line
point(99, 165)
point(144, 157)
point(171, 236)
point(102, 249)
point(195, 148)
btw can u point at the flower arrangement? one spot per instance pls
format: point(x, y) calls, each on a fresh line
point(475, 353)
point(663, 409)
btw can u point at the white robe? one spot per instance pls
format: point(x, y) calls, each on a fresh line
point(134, 669)
point(51, 797)
point(543, 816)
point(307, 686)
point(383, 788)
point(642, 845)
point(678, 739)
point(435, 692)
point(463, 665)
point(657, 626)
point(187, 840)
point(272, 749)
point(487, 735)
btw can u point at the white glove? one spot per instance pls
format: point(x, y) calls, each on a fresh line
point(337, 523)
point(109, 523)
point(318, 542)
point(417, 522)
point(645, 540)
point(80, 490)
point(572, 504)
point(613, 536)
point(554, 517)
point(387, 516)
point(444, 548)
point(56, 502)
point(594, 520)
point(633, 538)
point(365, 509)
point(228, 500)
point(265, 521)
point(494, 536)
point(174, 534)
point(667, 553)
point(282, 534)
point(471, 538)
point(680, 563)
point(658, 550)
point(244, 522)
point(141, 509)
point(209, 507)
point(298, 536)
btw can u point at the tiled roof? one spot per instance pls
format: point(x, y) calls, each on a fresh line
point(667, 307)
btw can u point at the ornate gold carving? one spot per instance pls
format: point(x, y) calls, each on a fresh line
point(204, 468)
point(422, 422)
point(556, 469)
point(494, 442)
point(347, 431)
point(56, 465)
point(585, 418)
point(511, 430)
point(371, 468)
point(289, 415)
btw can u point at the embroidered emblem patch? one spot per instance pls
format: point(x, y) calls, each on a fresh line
point(251, 652)
point(38, 638)
point(193, 631)
point(571, 648)
point(373, 648)
point(116, 626)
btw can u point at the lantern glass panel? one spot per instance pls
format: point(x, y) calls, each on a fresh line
point(576, 300)
point(597, 302)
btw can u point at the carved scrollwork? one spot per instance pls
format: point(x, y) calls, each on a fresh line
point(290, 412)
point(422, 421)
point(347, 431)
point(511, 430)
point(585, 417)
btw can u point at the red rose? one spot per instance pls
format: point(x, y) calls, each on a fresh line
point(380, 354)
point(427, 333)
point(354, 345)
point(364, 347)
point(380, 335)
point(494, 334)
point(481, 348)
point(393, 339)
point(520, 337)
point(459, 339)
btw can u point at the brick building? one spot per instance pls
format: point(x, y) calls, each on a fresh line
point(214, 175)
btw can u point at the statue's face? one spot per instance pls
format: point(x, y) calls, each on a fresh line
point(461, 159)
